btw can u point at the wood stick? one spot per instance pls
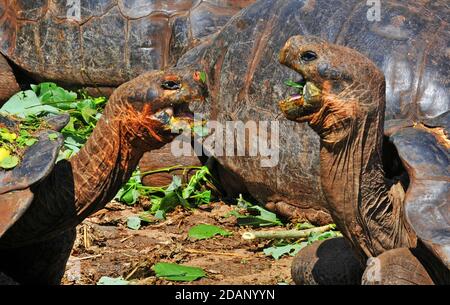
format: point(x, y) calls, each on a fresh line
point(86, 257)
point(286, 234)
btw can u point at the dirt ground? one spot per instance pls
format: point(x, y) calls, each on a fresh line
point(105, 246)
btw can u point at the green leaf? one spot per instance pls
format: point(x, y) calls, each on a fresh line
point(88, 110)
point(200, 175)
point(7, 136)
point(174, 185)
point(9, 162)
point(160, 214)
point(50, 93)
point(293, 84)
point(106, 280)
point(26, 103)
point(53, 136)
point(30, 142)
point(169, 202)
point(134, 222)
point(203, 76)
point(322, 236)
point(277, 252)
point(204, 231)
point(130, 197)
point(264, 219)
point(175, 272)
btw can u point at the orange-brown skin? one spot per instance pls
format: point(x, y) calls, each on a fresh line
point(368, 207)
point(84, 184)
point(349, 120)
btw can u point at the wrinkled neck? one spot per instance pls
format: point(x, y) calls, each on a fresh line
point(104, 164)
point(366, 207)
point(82, 185)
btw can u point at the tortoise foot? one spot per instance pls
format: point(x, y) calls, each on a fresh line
point(396, 267)
point(327, 262)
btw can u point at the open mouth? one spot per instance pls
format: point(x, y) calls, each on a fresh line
point(176, 118)
point(302, 105)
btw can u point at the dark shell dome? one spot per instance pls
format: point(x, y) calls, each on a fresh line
point(105, 42)
point(409, 44)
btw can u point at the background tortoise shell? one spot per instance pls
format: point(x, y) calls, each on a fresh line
point(105, 42)
point(410, 44)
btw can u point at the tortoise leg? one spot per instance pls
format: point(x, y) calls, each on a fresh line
point(8, 83)
point(396, 267)
point(327, 262)
point(41, 263)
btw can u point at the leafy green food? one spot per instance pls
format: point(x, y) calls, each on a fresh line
point(284, 248)
point(53, 136)
point(9, 162)
point(26, 103)
point(175, 272)
point(49, 98)
point(165, 199)
point(205, 231)
point(134, 222)
point(296, 85)
point(106, 280)
point(291, 249)
point(256, 216)
point(203, 76)
point(12, 145)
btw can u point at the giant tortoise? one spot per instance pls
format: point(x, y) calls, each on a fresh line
point(400, 222)
point(409, 44)
point(102, 43)
point(41, 202)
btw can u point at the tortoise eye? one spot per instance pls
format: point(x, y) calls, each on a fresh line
point(308, 56)
point(170, 85)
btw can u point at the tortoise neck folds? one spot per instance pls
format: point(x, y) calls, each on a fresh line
point(106, 162)
point(84, 184)
point(366, 206)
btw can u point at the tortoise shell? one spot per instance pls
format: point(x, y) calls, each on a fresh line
point(409, 44)
point(37, 162)
point(105, 42)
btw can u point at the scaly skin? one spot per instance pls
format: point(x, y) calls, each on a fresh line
point(349, 120)
point(84, 184)
point(347, 112)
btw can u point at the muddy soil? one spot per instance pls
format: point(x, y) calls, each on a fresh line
point(105, 246)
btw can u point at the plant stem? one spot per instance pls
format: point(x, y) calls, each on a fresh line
point(169, 169)
point(286, 234)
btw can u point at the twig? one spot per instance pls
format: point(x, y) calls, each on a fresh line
point(132, 272)
point(86, 257)
point(286, 234)
point(86, 238)
point(126, 238)
point(215, 253)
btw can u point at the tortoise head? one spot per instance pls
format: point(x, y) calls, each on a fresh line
point(155, 105)
point(340, 86)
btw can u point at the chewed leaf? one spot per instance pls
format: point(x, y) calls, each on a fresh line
point(277, 252)
point(134, 222)
point(204, 231)
point(53, 136)
point(106, 280)
point(175, 272)
point(26, 103)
